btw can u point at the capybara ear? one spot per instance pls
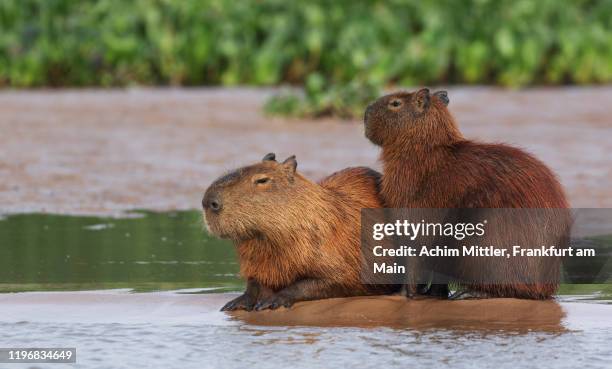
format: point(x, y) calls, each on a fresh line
point(442, 96)
point(290, 163)
point(269, 157)
point(421, 99)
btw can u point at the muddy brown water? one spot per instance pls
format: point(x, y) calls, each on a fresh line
point(104, 152)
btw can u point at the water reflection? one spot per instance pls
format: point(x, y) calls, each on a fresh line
point(146, 251)
point(487, 315)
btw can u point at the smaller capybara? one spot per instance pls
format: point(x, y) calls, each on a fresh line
point(296, 240)
point(429, 164)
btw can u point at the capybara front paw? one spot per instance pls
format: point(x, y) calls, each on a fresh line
point(438, 291)
point(242, 302)
point(274, 302)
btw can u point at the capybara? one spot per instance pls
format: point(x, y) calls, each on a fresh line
point(429, 164)
point(296, 240)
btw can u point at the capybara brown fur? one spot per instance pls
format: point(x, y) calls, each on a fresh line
point(429, 164)
point(296, 240)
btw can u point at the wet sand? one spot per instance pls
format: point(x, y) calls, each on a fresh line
point(399, 312)
point(107, 151)
point(124, 307)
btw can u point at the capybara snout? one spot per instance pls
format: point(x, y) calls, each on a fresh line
point(367, 112)
point(211, 207)
point(212, 201)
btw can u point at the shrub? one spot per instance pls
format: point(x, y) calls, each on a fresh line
point(341, 51)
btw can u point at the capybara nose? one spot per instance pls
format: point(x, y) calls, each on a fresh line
point(212, 202)
point(367, 112)
point(215, 205)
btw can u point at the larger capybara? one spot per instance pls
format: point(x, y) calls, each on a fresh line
point(296, 240)
point(429, 164)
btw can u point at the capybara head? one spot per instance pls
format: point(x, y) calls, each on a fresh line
point(409, 117)
point(250, 201)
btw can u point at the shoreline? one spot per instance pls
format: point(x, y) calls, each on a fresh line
point(176, 308)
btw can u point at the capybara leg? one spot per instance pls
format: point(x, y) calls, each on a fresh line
point(457, 295)
point(242, 302)
point(468, 295)
point(438, 290)
point(422, 289)
point(303, 290)
point(254, 292)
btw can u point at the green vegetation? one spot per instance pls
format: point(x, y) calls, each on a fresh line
point(342, 51)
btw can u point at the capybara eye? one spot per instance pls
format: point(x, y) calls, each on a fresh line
point(262, 180)
point(395, 103)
